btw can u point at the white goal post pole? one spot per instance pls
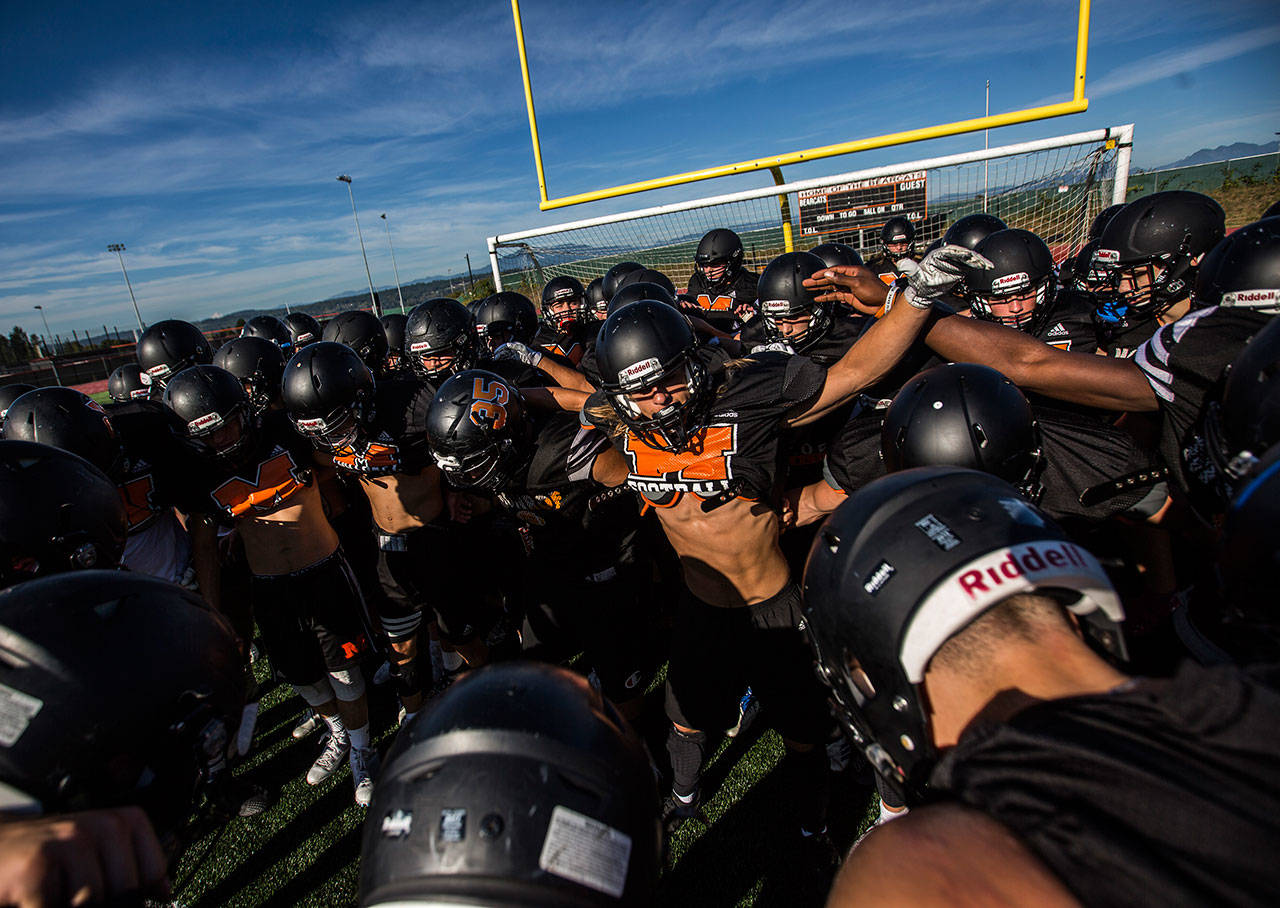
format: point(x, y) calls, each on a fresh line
point(1004, 151)
point(1124, 149)
point(493, 264)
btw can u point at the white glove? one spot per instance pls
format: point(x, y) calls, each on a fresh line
point(774, 347)
point(517, 352)
point(906, 266)
point(939, 271)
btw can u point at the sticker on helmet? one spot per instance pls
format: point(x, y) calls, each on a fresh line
point(938, 532)
point(145, 378)
point(775, 307)
point(586, 851)
point(205, 423)
point(1011, 282)
point(1107, 256)
point(16, 712)
point(420, 346)
point(453, 824)
point(397, 825)
point(1262, 300)
point(644, 369)
point(312, 425)
point(159, 371)
point(879, 577)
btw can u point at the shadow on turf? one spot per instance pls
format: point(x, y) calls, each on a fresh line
point(757, 841)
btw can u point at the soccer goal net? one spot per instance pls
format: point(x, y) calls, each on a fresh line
point(1053, 187)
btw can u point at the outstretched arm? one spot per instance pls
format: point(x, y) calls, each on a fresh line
point(1082, 378)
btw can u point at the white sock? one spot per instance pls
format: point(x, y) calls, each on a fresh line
point(359, 736)
point(887, 813)
point(685, 799)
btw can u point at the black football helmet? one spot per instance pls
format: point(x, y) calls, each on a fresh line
point(640, 290)
point(519, 786)
point(303, 329)
point(93, 735)
point(964, 415)
point(129, 382)
point(363, 333)
point(10, 393)
point(1102, 220)
point(639, 345)
point(394, 325)
point(506, 316)
point(168, 347)
point(328, 393)
point(1243, 271)
point(441, 339)
point(609, 283)
point(564, 303)
point(270, 328)
point(478, 429)
point(58, 512)
point(64, 418)
point(647, 276)
point(597, 302)
point(1240, 425)
point(898, 238)
point(719, 249)
point(214, 408)
point(1022, 268)
point(972, 229)
point(1167, 230)
point(963, 541)
point(258, 363)
point(833, 254)
point(782, 296)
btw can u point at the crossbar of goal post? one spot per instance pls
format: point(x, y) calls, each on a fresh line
point(1118, 137)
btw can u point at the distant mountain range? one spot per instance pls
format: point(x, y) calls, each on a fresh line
point(1221, 153)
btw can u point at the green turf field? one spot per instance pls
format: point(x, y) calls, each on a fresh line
point(304, 850)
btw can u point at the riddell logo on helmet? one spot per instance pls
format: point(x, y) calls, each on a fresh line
point(312, 425)
point(159, 371)
point(775, 307)
point(1011, 282)
point(639, 370)
point(1107, 256)
point(208, 421)
point(1024, 561)
point(1250, 298)
point(420, 346)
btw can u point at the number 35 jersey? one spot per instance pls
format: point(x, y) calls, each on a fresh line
point(737, 451)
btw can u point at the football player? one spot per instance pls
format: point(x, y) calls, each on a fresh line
point(897, 245)
point(169, 346)
point(565, 324)
point(722, 287)
point(702, 439)
point(974, 662)
point(255, 475)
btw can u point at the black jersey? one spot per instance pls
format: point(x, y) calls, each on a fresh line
point(277, 467)
point(566, 347)
point(718, 302)
point(737, 451)
point(853, 456)
point(553, 501)
point(155, 459)
point(516, 373)
point(1068, 325)
point(395, 439)
point(1080, 452)
point(1162, 792)
point(1119, 334)
point(1184, 363)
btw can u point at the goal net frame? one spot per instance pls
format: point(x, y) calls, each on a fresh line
point(1111, 150)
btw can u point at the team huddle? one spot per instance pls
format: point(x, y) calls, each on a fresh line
point(993, 531)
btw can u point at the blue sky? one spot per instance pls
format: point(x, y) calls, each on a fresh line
point(207, 138)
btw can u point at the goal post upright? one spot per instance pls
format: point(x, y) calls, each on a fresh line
point(1078, 104)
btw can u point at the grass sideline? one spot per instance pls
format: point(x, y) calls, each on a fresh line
point(304, 849)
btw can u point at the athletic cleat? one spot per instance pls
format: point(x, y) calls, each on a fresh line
point(363, 769)
point(748, 709)
point(307, 725)
point(255, 802)
point(329, 760)
point(676, 810)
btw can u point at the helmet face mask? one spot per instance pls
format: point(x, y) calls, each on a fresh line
point(1015, 309)
point(440, 339)
point(335, 432)
point(672, 427)
point(1020, 281)
point(214, 407)
point(897, 238)
point(564, 303)
point(219, 436)
point(792, 313)
point(719, 256)
point(478, 431)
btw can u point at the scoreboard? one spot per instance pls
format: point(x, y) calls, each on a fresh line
point(846, 207)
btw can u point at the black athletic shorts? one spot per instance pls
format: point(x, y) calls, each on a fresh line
point(406, 562)
point(313, 620)
point(605, 616)
point(717, 653)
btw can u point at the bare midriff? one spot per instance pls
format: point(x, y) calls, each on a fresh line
point(402, 502)
point(294, 536)
point(730, 555)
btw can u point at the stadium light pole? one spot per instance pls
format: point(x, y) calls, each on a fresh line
point(118, 249)
point(394, 268)
point(373, 297)
point(48, 339)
